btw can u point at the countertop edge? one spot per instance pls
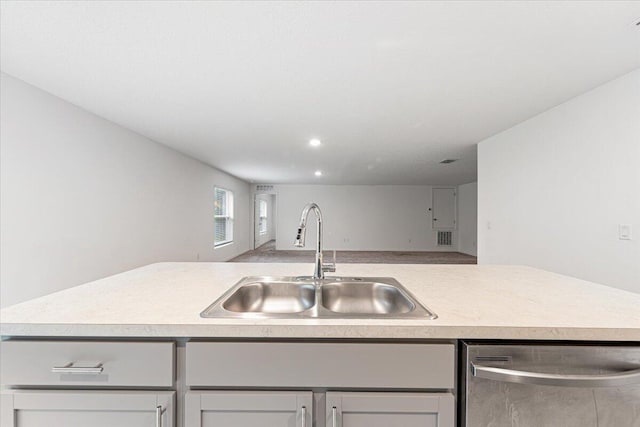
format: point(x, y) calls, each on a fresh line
point(352, 332)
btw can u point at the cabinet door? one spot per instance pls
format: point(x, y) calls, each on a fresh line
point(87, 408)
point(248, 409)
point(390, 409)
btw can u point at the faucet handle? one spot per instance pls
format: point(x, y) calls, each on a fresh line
point(331, 268)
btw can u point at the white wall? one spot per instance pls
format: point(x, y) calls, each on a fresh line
point(468, 218)
point(82, 198)
point(361, 217)
point(553, 189)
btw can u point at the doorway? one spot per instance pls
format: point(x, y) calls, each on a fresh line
point(264, 220)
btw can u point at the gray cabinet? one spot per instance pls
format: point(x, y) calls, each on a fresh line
point(248, 409)
point(103, 375)
point(389, 409)
point(86, 364)
point(268, 366)
point(304, 365)
point(86, 408)
point(225, 383)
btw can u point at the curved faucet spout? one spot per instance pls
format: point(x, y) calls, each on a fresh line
point(302, 228)
point(320, 268)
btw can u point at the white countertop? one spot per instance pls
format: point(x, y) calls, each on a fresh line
point(471, 301)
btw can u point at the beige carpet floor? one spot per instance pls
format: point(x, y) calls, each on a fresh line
point(268, 253)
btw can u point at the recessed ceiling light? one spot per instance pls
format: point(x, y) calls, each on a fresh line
point(315, 142)
point(318, 173)
point(447, 161)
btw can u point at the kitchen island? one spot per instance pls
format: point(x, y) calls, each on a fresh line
point(134, 349)
point(471, 301)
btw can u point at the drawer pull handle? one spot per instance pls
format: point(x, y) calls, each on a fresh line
point(159, 412)
point(304, 416)
point(69, 368)
point(334, 416)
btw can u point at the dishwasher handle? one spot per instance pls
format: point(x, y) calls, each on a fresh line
point(624, 378)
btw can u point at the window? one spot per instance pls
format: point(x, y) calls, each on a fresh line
point(223, 213)
point(263, 217)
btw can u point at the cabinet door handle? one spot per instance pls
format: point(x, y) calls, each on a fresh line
point(70, 369)
point(304, 416)
point(159, 416)
point(334, 416)
point(620, 379)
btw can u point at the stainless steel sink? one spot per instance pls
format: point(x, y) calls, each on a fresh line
point(366, 297)
point(332, 297)
point(271, 297)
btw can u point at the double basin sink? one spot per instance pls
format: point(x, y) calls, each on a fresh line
point(306, 297)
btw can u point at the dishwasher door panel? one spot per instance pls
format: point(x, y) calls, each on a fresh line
point(576, 402)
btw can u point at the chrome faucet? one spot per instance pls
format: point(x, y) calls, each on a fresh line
point(320, 267)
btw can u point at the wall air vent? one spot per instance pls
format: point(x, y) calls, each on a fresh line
point(445, 238)
point(262, 188)
point(447, 161)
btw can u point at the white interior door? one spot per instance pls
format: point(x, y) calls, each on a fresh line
point(444, 208)
point(256, 221)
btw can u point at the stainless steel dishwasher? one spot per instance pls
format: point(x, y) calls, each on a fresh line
point(550, 385)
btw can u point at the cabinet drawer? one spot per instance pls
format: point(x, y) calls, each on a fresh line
point(87, 363)
point(352, 365)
